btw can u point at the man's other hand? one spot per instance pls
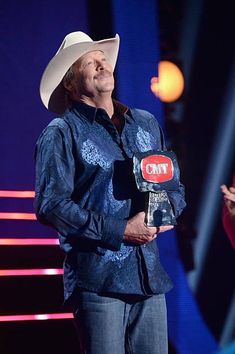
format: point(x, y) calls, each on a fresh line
point(138, 232)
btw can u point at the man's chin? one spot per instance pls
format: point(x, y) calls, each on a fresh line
point(106, 88)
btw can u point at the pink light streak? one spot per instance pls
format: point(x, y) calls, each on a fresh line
point(28, 241)
point(18, 216)
point(36, 317)
point(30, 272)
point(16, 194)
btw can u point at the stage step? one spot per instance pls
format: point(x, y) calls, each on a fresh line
point(38, 337)
point(20, 257)
point(31, 295)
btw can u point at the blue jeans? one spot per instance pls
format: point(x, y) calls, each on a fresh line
point(122, 324)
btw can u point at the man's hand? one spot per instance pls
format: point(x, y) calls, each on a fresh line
point(138, 232)
point(229, 198)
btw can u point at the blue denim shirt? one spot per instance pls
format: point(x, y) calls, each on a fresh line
point(85, 189)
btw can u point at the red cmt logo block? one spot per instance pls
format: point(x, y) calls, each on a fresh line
point(157, 168)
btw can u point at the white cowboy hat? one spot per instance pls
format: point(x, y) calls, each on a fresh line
point(74, 45)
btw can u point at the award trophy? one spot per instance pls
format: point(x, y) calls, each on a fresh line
point(156, 173)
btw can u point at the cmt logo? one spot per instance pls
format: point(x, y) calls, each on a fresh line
point(157, 168)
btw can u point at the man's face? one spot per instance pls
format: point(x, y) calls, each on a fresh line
point(93, 75)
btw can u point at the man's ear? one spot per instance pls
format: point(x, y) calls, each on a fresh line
point(68, 85)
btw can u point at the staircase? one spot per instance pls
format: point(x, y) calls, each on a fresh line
point(32, 317)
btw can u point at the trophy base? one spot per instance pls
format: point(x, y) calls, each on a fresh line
point(159, 210)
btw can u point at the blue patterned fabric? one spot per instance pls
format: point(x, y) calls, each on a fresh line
point(85, 189)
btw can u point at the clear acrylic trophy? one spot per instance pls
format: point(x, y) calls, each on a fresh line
point(156, 173)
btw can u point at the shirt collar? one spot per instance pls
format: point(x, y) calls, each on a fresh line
point(90, 112)
point(87, 111)
point(120, 108)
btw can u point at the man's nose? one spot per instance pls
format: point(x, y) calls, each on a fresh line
point(100, 65)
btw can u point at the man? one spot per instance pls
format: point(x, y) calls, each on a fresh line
point(228, 213)
point(86, 190)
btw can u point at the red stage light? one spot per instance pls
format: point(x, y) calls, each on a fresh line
point(29, 272)
point(51, 316)
point(17, 194)
point(18, 216)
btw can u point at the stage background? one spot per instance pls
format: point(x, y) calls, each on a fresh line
point(31, 32)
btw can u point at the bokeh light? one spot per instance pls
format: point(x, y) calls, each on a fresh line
point(169, 85)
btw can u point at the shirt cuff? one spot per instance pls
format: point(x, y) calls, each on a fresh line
point(113, 232)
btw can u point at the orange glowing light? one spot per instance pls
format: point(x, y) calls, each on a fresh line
point(18, 216)
point(28, 241)
point(17, 194)
point(169, 85)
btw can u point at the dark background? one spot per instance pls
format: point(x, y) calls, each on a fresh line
point(193, 133)
point(198, 37)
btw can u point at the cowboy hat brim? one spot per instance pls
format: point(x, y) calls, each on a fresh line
point(52, 91)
